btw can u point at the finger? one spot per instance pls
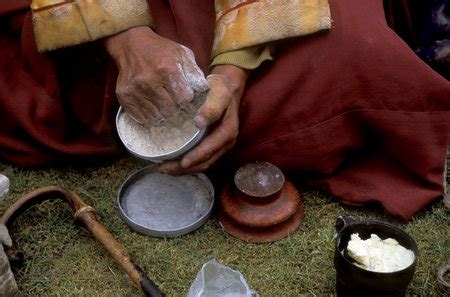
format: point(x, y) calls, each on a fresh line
point(194, 75)
point(174, 167)
point(163, 102)
point(141, 109)
point(223, 136)
point(208, 149)
point(171, 167)
point(222, 139)
point(203, 166)
point(193, 106)
point(150, 111)
point(178, 86)
point(219, 98)
point(135, 113)
point(136, 103)
point(130, 106)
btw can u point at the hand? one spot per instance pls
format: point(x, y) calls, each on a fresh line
point(156, 76)
point(227, 83)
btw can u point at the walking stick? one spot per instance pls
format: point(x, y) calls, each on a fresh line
point(85, 216)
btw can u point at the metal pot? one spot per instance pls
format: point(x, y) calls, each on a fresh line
point(352, 280)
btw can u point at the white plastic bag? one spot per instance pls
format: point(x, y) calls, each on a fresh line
point(8, 286)
point(4, 186)
point(215, 279)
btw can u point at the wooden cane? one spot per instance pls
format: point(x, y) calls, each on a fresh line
point(85, 216)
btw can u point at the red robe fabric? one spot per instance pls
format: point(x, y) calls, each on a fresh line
point(352, 110)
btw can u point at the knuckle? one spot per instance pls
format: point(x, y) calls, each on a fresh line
point(122, 91)
point(231, 144)
point(204, 166)
point(234, 134)
point(212, 112)
point(223, 91)
point(140, 81)
point(165, 67)
point(186, 50)
point(161, 67)
point(208, 154)
point(231, 129)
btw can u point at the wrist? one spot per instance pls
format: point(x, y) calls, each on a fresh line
point(235, 75)
point(116, 44)
point(231, 70)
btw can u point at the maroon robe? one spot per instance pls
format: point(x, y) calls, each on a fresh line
point(353, 110)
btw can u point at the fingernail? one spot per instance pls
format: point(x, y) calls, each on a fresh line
point(200, 121)
point(138, 118)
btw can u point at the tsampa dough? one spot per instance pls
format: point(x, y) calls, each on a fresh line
point(379, 255)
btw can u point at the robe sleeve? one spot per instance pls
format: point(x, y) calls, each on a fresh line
point(63, 23)
point(245, 23)
point(247, 58)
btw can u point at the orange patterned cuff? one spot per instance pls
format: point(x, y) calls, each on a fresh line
point(244, 23)
point(65, 23)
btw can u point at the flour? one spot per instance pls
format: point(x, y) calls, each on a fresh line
point(193, 73)
point(150, 140)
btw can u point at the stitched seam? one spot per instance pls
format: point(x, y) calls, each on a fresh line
point(53, 6)
point(236, 7)
point(340, 116)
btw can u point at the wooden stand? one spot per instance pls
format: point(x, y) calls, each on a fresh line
point(248, 215)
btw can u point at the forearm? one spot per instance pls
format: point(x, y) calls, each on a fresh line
point(118, 44)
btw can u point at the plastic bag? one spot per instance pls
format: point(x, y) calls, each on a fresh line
point(215, 279)
point(8, 286)
point(4, 186)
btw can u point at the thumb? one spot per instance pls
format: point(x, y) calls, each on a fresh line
point(217, 102)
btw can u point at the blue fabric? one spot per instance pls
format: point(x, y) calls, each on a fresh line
point(434, 32)
point(433, 36)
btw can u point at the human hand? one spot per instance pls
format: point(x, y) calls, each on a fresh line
point(221, 108)
point(156, 75)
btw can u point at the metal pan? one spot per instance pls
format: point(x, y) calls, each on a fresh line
point(194, 140)
point(161, 205)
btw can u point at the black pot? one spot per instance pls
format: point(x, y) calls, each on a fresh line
point(352, 280)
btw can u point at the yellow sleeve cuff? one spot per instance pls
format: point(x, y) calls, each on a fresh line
point(66, 23)
point(241, 24)
point(246, 58)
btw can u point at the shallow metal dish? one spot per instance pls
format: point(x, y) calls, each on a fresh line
point(161, 205)
point(162, 157)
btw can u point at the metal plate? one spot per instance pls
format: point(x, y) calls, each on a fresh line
point(161, 205)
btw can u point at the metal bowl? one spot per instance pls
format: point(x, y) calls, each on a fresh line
point(161, 205)
point(196, 138)
point(352, 280)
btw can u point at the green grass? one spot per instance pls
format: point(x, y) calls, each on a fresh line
point(62, 259)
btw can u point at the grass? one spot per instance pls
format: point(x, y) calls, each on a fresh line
point(62, 259)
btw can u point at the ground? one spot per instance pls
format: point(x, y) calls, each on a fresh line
point(61, 259)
